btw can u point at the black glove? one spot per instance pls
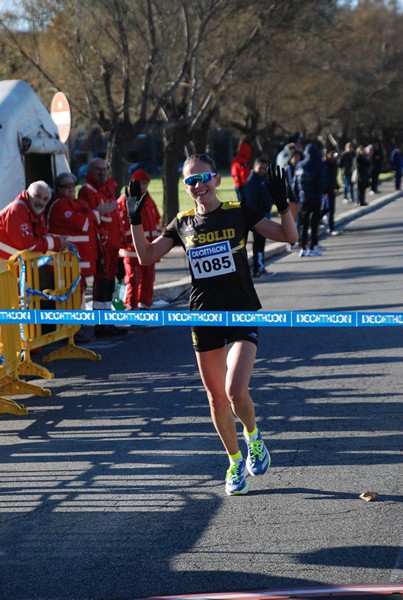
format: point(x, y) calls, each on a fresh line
point(278, 188)
point(134, 202)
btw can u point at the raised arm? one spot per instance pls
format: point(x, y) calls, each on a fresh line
point(286, 231)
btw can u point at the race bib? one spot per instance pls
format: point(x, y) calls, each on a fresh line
point(211, 260)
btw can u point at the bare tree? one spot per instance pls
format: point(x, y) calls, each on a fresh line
point(216, 45)
point(83, 49)
point(130, 65)
point(285, 87)
point(177, 67)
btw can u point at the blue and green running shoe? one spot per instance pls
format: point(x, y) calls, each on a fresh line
point(235, 482)
point(258, 460)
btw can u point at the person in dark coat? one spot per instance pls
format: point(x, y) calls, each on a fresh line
point(376, 166)
point(363, 174)
point(332, 186)
point(256, 195)
point(396, 160)
point(309, 185)
point(347, 166)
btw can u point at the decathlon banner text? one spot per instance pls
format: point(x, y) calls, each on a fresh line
point(163, 318)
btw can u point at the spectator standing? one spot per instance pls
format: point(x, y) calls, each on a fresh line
point(396, 161)
point(309, 186)
point(376, 166)
point(284, 155)
point(139, 279)
point(347, 166)
point(240, 168)
point(72, 217)
point(257, 196)
point(363, 173)
point(23, 226)
point(332, 187)
point(101, 189)
point(294, 159)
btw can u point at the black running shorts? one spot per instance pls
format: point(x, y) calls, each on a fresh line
point(211, 338)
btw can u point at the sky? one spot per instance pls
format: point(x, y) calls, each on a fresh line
point(12, 6)
point(354, 3)
point(9, 4)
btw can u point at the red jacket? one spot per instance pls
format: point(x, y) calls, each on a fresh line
point(240, 167)
point(73, 218)
point(95, 193)
point(150, 218)
point(22, 229)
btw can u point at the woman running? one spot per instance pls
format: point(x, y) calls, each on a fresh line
point(214, 236)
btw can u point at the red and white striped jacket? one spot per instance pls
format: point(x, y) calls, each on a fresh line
point(73, 218)
point(94, 194)
point(22, 229)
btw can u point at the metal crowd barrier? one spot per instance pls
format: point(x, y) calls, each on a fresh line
point(61, 271)
point(10, 347)
point(23, 317)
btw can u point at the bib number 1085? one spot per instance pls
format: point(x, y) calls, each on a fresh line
point(211, 260)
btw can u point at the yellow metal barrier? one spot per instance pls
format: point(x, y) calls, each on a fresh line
point(10, 347)
point(61, 272)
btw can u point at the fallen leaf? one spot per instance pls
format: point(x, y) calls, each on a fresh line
point(369, 496)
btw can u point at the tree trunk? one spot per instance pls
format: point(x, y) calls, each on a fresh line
point(118, 145)
point(173, 145)
point(201, 133)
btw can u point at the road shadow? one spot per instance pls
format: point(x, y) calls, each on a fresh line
point(109, 486)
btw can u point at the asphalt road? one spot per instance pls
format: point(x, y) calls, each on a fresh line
point(112, 488)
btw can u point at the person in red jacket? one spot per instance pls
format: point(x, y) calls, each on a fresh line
point(73, 217)
point(139, 279)
point(22, 223)
point(101, 189)
point(240, 168)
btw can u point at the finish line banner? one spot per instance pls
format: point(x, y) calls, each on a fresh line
point(164, 318)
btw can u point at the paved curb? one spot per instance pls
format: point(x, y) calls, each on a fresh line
point(171, 291)
point(359, 211)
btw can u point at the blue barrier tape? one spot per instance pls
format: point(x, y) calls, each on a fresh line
point(63, 298)
point(31, 292)
point(158, 318)
point(43, 260)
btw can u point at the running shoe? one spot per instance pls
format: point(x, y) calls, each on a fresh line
point(144, 306)
point(235, 482)
point(258, 460)
point(315, 251)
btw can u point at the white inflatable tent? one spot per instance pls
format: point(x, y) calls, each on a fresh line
point(30, 148)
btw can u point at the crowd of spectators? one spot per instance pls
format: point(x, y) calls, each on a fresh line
point(95, 223)
point(95, 220)
point(316, 173)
